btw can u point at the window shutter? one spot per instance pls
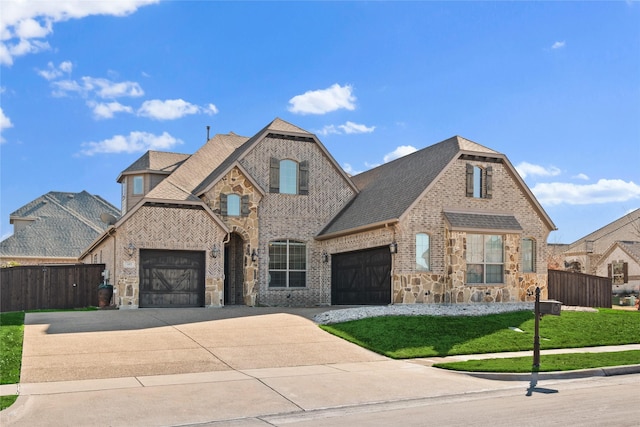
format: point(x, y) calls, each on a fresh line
point(609, 271)
point(223, 204)
point(304, 178)
point(469, 180)
point(625, 272)
point(488, 191)
point(274, 176)
point(244, 205)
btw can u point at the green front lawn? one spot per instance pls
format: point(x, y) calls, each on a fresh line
point(11, 334)
point(402, 337)
point(548, 363)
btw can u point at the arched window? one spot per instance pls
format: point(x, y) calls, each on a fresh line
point(233, 205)
point(287, 264)
point(528, 255)
point(423, 252)
point(288, 177)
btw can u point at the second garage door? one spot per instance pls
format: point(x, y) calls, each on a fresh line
point(361, 277)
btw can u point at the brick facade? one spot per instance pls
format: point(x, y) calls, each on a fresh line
point(268, 216)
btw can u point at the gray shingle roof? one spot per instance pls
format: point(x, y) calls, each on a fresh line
point(472, 221)
point(64, 225)
point(157, 161)
point(387, 191)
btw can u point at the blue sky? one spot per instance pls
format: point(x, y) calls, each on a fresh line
point(88, 86)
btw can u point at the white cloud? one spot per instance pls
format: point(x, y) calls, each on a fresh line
point(5, 123)
point(23, 22)
point(102, 88)
point(349, 169)
point(604, 191)
point(348, 128)
point(52, 72)
point(108, 109)
point(324, 100)
point(558, 45)
point(211, 109)
point(527, 169)
point(581, 176)
point(132, 143)
point(172, 109)
point(401, 151)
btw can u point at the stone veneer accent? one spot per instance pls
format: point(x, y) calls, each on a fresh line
point(235, 182)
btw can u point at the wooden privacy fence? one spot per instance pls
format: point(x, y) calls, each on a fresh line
point(580, 289)
point(49, 286)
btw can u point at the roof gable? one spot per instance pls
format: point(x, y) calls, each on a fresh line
point(155, 161)
point(387, 191)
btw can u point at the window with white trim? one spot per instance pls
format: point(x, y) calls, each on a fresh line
point(423, 252)
point(287, 264)
point(485, 259)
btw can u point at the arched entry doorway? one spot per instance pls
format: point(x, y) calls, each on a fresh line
point(234, 270)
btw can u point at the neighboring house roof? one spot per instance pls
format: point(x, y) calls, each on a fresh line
point(612, 227)
point(62, 225)
point(155, 161)
point(630, 248)
point(388, 191)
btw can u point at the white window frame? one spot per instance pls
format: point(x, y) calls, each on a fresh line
point(288, 268)
point(423, 263)
point(478, 264)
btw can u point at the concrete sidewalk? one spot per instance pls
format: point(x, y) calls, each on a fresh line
point(179, 367)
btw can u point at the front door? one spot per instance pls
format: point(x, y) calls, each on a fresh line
point(234, 271)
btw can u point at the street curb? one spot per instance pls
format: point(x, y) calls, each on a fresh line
point(557, 375)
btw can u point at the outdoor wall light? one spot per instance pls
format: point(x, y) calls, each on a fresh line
point(215, 252)
point(325, 257)
point(254, 256)
point(131, 249)
point(393, 247)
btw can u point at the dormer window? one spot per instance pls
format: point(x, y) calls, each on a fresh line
point(138, 185)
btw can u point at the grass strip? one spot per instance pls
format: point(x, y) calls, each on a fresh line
point(402, 337)
point(11, 336)
point(548, 363)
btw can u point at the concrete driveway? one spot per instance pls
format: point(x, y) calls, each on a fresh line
point(68, 346)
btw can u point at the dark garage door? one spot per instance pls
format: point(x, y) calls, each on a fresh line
point(361, 278)
point(171, 278)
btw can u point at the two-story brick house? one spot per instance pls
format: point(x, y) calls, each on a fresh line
point(274, 220)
